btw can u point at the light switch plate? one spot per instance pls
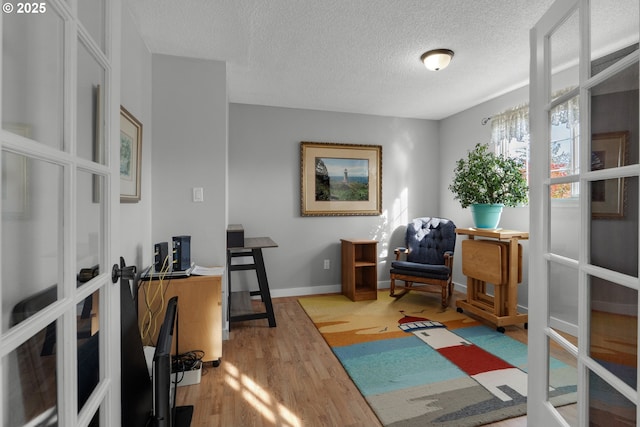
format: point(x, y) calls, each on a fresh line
point(198, 194)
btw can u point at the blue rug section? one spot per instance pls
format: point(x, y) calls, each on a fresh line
point(395, 364)
point(388, 365)
point(501, 345)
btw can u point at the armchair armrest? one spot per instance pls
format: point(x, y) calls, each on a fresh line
point(448, 259)
point(400, 250)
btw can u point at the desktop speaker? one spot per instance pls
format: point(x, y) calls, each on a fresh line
point(235, 236)
point(181, 253)
point(160, 253)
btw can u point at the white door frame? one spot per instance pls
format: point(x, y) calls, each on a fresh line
point(106, 395)
point(540, 411)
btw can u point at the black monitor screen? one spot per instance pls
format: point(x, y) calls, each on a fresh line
point(163, 395)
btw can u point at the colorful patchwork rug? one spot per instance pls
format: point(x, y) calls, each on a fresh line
point(420, 365)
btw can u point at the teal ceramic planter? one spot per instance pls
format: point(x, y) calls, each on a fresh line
point(486, 215)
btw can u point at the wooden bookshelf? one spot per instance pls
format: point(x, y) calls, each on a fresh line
point(360, 269)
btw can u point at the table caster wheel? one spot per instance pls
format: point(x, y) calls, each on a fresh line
point(500, 329)
point(215, 363)
point(459, 309)
point(526, 326)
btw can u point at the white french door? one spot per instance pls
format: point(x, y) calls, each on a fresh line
point(584, 210)
point(59, 312)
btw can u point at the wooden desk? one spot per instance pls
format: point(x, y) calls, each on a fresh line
point(199, 313)
point(252, 248)
point(496, 258)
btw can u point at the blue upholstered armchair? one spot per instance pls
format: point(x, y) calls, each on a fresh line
point(430, 243)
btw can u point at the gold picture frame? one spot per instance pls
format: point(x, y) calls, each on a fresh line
point(340, 179)
point(130, 157)
point(608, 150)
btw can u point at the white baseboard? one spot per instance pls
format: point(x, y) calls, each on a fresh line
point(304, 291)
point(317, 290)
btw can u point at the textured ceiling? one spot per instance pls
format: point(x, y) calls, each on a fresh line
point(360, 56)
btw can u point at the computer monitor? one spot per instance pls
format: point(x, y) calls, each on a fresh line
point(163, 388)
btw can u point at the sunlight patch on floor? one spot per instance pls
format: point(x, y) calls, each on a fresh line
point(259, 398)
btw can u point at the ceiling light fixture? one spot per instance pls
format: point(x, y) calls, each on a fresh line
point(437, 59)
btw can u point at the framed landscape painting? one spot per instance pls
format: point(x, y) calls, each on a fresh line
point(130, 156)
point(340, 179)
point(608, 150)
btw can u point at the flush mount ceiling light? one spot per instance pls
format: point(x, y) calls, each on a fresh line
point(437, 59)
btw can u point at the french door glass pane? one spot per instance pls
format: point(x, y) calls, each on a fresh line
point(30, 391)
point(91, 90)
point(563, 297)
point(607, 407)
point(614, 225)
point(91, 13)
point(32, 76)
point(32, 214)
point(614, 328)
point(614, 31)
point(565, 227)
point(564, 147)
point(563, 380)
point(88, 361)
point(565, 50)
point(90, 220)
point(614, 120)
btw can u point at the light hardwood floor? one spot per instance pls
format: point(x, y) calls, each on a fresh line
point(284, 377)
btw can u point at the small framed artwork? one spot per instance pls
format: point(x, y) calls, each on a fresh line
point(340, 179)
point(130, 157)
point(608, 150)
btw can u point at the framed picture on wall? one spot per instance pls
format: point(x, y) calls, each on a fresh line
point(130, 157)
point(608, 150)
point(340, 179)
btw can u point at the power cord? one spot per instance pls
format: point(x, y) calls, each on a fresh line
point(187, 361)
point(150, 319)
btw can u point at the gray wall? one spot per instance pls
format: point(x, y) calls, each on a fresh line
point(135, 218)
point(264, 189)
point(190, 112)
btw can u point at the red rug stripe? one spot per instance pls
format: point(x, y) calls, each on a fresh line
point(472, 359)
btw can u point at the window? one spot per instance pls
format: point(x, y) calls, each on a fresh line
point(565, 139)
point(510, 137)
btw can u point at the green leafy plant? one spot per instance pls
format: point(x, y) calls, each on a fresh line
point(486, 177)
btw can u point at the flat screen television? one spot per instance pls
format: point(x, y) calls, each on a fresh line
point(163, 389)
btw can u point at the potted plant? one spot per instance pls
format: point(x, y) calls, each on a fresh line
point(487, 182)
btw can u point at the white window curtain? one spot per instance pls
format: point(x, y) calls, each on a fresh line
point(509, 125)
point(513, 124)
point(567, 113)
point(510, 134)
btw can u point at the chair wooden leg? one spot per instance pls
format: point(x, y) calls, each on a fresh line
point(444, 295)
point(392, 287)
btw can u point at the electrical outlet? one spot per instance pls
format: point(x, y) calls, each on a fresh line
point(327, 264)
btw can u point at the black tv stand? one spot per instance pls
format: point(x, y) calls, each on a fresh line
point(182, 416)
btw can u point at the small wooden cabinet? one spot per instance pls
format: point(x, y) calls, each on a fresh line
point(360, 269)
point(199, 313)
